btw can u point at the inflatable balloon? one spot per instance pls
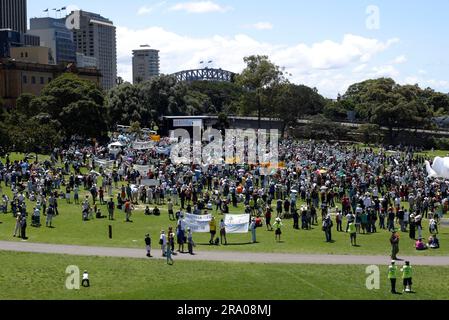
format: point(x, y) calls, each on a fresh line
point(439, 168)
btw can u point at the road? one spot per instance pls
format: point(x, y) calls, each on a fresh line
point(277, 258)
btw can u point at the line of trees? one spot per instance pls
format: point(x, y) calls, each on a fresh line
point(70, 107)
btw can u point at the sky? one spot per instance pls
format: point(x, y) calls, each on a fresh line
point(327, 44)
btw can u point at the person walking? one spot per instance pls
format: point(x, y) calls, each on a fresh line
point(407, 277)
point(168, 254)
point(392, 276)
point(148, 245)
point(394, 240)
point(278, 229)
point(171, 213)
point(50, 215)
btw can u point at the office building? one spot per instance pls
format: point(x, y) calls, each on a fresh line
point(11, 39)
point(83, 61)
point(145, 64)
point(18, 77)
point(95, 36)
point(40, 55)
point(13, 15)
point(54, 34)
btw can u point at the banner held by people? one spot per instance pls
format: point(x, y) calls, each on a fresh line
point(198, 223)
point(237, 223)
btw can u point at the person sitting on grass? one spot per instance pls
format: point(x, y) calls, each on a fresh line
point(420, 245)
point(156, 211)
point(434, 242)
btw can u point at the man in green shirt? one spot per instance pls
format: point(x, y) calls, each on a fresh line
point(353, 233)
point(407, 277)
point(393, 275)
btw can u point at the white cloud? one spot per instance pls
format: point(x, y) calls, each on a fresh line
point(399, 60)
point(199, 7)
point(144, 10)
point(326, 65)
point(262, 26)
point(384, 71)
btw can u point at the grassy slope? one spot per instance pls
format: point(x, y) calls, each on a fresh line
point(36, 276)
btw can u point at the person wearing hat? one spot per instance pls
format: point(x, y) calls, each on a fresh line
point(148, 245)
point(394, 240)
point(253, 228)
point(407, 277)
point(393, 275)
point(277, 226)
point(327, 228)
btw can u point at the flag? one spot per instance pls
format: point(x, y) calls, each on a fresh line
point(46, 10)
point(64, 8)
point(210, 61)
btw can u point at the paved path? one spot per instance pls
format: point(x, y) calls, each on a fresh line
point(218, 256)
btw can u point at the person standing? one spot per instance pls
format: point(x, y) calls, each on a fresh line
point(394, 240)
point(23, 226)
point(407, 277)
point(163, 243)
point(128, 209)
point(339, 220)
point(111, 208)
point(268, 214)
point(171, 213)
point(190, 242)
point(213, 230)
point(50, 215)
point(148, 245)
point(85, 283)
point(278, 227)
point(327, 228)
point(17, 228)
point(223, 233)
point(392, 276)
point(353, 234)
point(253, 227)
point(168, 254)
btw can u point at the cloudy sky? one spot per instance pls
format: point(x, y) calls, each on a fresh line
point(327, 44)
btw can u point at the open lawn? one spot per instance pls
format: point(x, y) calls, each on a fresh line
point(39, 276)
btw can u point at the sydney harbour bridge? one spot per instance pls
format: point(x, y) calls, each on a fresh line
point(205, 74)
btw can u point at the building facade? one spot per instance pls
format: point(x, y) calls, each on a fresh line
point(13, 15)
point(54, 34)
point(41, 55)
point(145, 64)
point(95, 36)
point(18, 77)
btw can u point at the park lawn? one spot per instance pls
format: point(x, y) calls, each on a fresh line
point(42, 276)
point(70, 229)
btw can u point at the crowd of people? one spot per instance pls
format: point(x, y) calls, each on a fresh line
point(318, 185)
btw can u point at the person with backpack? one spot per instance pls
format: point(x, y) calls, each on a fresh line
point(393, 275)
point(327, 228)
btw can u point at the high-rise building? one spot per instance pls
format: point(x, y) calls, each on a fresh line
point(145, 64)
point(55, 35)
point(13, 15)
point(95, 36)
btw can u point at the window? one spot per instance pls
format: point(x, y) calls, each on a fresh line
point(49, 80)
point(25, 80)
point(33, 80)
point(42, 80)
point(26, 54)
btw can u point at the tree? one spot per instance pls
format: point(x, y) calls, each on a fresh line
point(77, 104)
point(259, 80)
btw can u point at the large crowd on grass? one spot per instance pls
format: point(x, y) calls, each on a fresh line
point(331, 185)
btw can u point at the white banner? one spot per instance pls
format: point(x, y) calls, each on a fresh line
point(197, 223)
point(237, 223)
point(187, 123)
point(105, 163)
point(142, 145)
point(150, 182)
point(143, 170)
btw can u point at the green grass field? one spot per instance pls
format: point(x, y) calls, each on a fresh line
point(38, 276)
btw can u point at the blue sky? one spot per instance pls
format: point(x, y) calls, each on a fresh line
point(326, 44)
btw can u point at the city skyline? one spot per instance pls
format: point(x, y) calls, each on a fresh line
point(322, 44)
